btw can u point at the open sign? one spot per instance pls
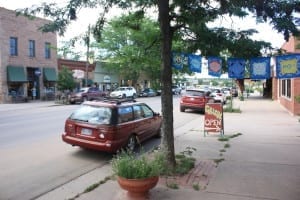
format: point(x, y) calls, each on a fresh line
point(213, 119)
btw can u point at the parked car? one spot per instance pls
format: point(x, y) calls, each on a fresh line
point(195, 99)
point(87, 93)
point(176, 89)
point(124, 92)
point(226, 92)
point(218, 96)
point(110, 125)
point(148, 92)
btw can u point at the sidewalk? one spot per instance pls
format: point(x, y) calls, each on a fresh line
point(262, 163)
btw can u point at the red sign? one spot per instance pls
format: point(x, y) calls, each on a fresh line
point(213, 119)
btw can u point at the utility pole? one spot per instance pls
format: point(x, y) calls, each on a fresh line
point(87, 41)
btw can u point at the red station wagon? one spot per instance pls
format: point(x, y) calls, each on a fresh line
point(111, 125)
point(195, 100)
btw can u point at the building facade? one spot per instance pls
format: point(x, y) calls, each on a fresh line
point(28, 58)
point(285, 90)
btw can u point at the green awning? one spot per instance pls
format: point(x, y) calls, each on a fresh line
point(50, 74)
point(16, 74)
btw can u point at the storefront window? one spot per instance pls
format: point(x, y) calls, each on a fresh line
point(286, 88)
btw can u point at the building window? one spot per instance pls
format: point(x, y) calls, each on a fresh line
point(286, 88)
point(13, 42)
point(47, 50)
point(31, 48)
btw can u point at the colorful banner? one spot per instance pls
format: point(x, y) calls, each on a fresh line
point(260, 68)
point(178, 60)
point(288, 66)
point(236, 68)
point(194, 62)
point(214, 66)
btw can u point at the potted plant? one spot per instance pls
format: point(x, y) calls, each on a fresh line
point(135, 174)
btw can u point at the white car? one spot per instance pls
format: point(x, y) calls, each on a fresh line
point(124, 92)
point(218, 96)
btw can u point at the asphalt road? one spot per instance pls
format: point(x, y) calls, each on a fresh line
point(34, 160)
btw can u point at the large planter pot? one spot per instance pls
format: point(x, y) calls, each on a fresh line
point(138, 187)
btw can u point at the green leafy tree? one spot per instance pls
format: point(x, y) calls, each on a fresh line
point(65, 80)
point(131, 44)
point(189, 19)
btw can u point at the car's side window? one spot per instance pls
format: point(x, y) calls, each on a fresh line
point(147, 111)
point(125, 114)
point(138, 112)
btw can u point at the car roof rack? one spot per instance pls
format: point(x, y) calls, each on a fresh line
point(118, 101)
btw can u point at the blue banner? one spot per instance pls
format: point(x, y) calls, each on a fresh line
point(288, 66)
point(236, 68)
point(194, 63)
point(178, 60)
point(260, 68)
point(214, 66)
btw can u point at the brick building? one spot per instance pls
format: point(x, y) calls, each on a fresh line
point(285, 90)
point(28, 58)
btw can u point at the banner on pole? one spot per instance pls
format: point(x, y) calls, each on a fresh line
point(288, 66)
point(214, 66)
point(236, 68)
point(260, 68)
point(194, 63)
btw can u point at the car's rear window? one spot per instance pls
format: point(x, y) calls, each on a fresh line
point(195, 93)
point(92, 114)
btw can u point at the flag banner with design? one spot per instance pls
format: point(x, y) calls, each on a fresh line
point(194, 62)
point(178, 60)
point(288, 66)
point(260, 68)
point(236, 68)
point(214, 66)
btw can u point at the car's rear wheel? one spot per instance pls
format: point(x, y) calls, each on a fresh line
point(131, 143)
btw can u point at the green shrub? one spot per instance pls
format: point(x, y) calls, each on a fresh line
point(127, 165)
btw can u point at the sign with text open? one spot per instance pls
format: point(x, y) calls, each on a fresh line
point(213, 119)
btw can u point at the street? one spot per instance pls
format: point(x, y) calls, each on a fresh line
point(34, 160)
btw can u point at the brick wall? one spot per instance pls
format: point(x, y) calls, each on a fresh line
point(25, 30)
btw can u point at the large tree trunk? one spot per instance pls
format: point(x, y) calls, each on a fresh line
point(166, 77)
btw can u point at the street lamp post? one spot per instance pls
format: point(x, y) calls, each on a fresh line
point(87, 41)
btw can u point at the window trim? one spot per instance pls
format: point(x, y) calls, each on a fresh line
point(47, 50)
point(31, 48)
point(286, 86)
point(13, 47)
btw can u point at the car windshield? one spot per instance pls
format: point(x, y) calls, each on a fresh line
point(120, 89)
point(83, 89)
point(195, 93)
point(92, 114)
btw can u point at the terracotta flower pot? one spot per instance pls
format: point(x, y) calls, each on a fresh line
point(138, 187)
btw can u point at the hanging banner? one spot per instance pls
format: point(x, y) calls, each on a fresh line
point(214, 66)
point(194, 62)
point(260, 68)
point(236, 68)
point(288, 66)
point(178, 60)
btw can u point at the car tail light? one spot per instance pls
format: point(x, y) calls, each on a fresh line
point(70, 129)
point(219, 94)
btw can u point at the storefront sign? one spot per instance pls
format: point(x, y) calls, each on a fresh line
point(213, 119)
